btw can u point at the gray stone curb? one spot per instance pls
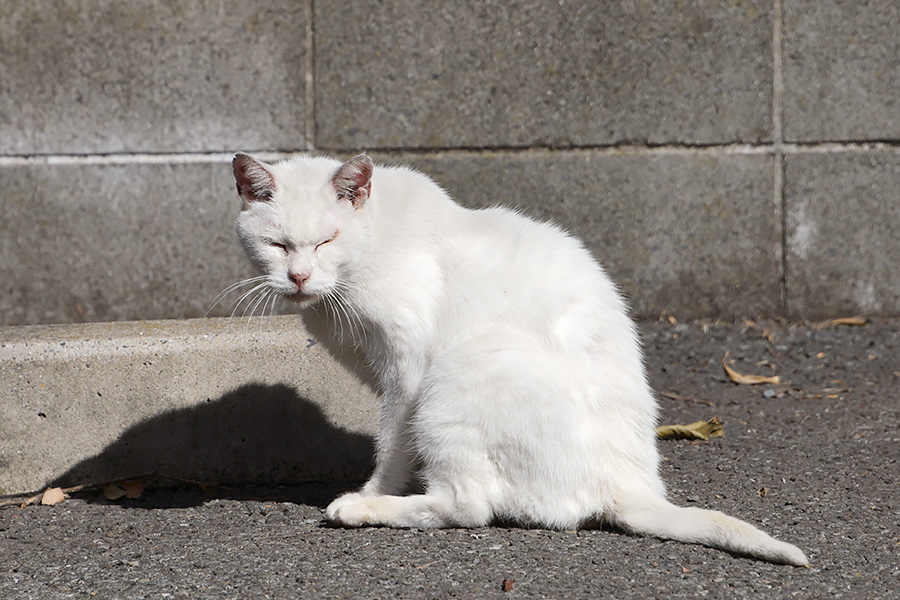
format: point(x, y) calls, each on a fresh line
point(208, 399)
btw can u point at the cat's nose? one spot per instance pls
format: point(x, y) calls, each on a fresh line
point(299, 278)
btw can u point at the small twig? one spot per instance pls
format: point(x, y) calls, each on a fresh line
point(200, 484)
point(24, 499)
point(18, 502)
point(35, 497)
point(673, 396)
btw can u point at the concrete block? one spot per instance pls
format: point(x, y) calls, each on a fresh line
point(207, 399)
point(522, 73)
point(107, 76)
point(116, 242)
point(842, 222)
point(697, 234)
point(840, 70)
point(693, 233)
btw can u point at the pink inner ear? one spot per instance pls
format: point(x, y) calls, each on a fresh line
point(363, 178)
point(254, 182)
point(353, 181)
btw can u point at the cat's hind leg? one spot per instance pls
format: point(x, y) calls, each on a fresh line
point(436, 508)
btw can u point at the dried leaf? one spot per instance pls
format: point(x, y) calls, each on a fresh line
point(508, 584)
point(123, 489)
point(857, 321)
point(52, 496)
point(133, 489)
point(700, 430)
point(742, 379)
point(113, 491)
point(763, 491)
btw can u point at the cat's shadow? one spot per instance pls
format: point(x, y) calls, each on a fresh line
point(256, 434)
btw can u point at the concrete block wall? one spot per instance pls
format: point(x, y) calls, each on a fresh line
point(721, 158)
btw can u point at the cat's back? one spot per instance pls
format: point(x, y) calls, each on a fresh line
point(504, 269)
point(539, 255)
point(496, 265)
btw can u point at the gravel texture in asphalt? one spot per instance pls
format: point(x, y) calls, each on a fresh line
point(813, 460)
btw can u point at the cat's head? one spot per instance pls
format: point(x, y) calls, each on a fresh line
point(300, 223)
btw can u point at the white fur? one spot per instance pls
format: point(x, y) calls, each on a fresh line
point(512, 381)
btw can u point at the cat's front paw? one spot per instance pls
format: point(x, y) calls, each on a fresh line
point(350, 510)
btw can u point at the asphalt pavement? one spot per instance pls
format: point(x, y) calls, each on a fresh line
point(813, 460)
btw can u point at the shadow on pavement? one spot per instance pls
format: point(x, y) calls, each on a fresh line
point(257, 434)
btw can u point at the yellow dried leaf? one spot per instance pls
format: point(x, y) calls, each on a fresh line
point(700, 430)
point(113, 491)
point(857, 321)
point(743, 379)
point(52, 496)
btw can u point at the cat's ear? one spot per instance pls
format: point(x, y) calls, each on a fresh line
point(353, 181)
point(254, 181)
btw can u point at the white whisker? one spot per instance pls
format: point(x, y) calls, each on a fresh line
point(331, 315)
point(339, 314)
point(347, 316)
point(234, 286)
point(254, 304)
point(236, 305)
point(344, 312)
point(273, 301)
point(358, 318)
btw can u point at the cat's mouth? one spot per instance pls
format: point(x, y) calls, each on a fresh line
point(302, 298)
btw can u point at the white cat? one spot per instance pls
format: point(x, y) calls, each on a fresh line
point(512, 382)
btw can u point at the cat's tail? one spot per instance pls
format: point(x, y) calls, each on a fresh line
point(662, 519)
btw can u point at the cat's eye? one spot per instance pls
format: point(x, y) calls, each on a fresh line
point(279, 245)
point(323, 242)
